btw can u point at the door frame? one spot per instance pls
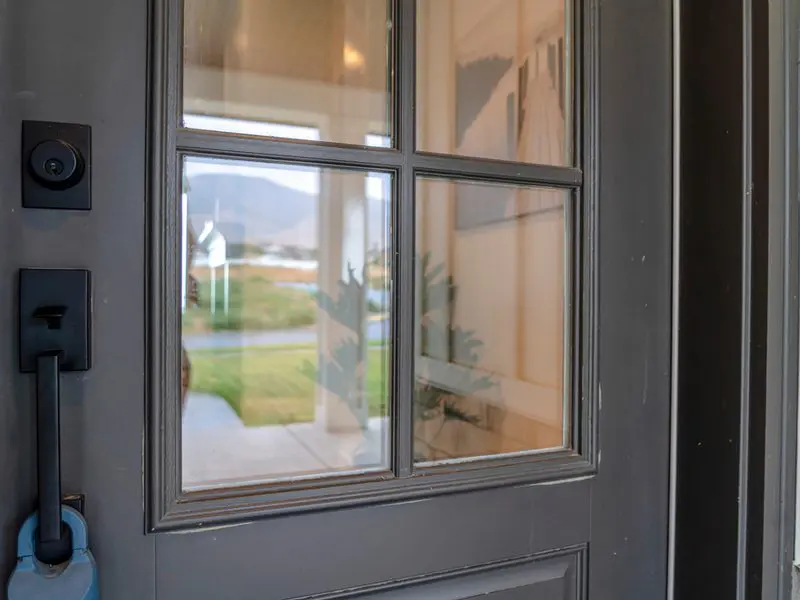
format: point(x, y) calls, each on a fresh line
point(737, 430)
point(711, 386)
point(779, 472)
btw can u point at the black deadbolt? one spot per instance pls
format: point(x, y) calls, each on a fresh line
point(56, 164)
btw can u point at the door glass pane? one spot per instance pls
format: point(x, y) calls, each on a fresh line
point(285, 321)
point(490, 320)
point(493, 79)
point(252, 65)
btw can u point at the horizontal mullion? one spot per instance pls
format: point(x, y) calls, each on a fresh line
point(460, 167)
point(296, 151)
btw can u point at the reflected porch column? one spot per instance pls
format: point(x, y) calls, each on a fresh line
point(436, 91)
point(342, 230)
point(342, 313)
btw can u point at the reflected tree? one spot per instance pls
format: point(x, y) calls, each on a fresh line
point(342, 371)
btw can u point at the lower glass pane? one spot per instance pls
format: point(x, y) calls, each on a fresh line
point(490, 319)
point(285, 326)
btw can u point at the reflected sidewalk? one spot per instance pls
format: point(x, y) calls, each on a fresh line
point(376, 330)
point(220, 451)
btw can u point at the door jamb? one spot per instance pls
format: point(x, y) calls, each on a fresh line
point(783, 310)
point(722, 316)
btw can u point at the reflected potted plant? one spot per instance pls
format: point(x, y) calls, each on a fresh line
point(432, 401)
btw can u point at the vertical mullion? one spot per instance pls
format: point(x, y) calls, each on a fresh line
point(404, 44)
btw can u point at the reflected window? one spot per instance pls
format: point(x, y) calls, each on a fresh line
point(315, 62)
point(490, 320)
point(237, 126)
point(285, 322)
point(377, 183)
point(493, 79)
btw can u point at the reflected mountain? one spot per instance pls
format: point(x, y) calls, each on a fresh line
point(259, 211)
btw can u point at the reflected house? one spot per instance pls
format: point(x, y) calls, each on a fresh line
point(213, 252)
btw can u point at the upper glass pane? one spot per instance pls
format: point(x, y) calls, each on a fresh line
point(490, 321)
point(493, 79)
point(285, 322)
point(315, 65)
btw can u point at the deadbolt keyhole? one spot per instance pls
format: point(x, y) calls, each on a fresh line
point(56, 164)
point(54, 167)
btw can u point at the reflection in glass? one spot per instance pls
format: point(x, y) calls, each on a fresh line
point(489, 320)
point(493, 79)
point(320, 63)
point(285, 322)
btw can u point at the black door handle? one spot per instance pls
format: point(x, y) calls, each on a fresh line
point(54, 336)
point(53, 543)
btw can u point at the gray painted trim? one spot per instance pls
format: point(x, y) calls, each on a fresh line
point(636, 253)
point(163, 451)
point(780, 477)
point(747, 299)
point(676, 261)
point(410, 587)
point(200, 509)
point(587, 396)
point(168, 506)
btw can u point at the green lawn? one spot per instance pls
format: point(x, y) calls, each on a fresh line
point(255, 304)
point(268, 385)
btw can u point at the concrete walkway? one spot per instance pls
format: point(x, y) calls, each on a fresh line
point(220, 451)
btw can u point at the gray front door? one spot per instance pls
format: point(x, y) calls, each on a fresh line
point(382, 294)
